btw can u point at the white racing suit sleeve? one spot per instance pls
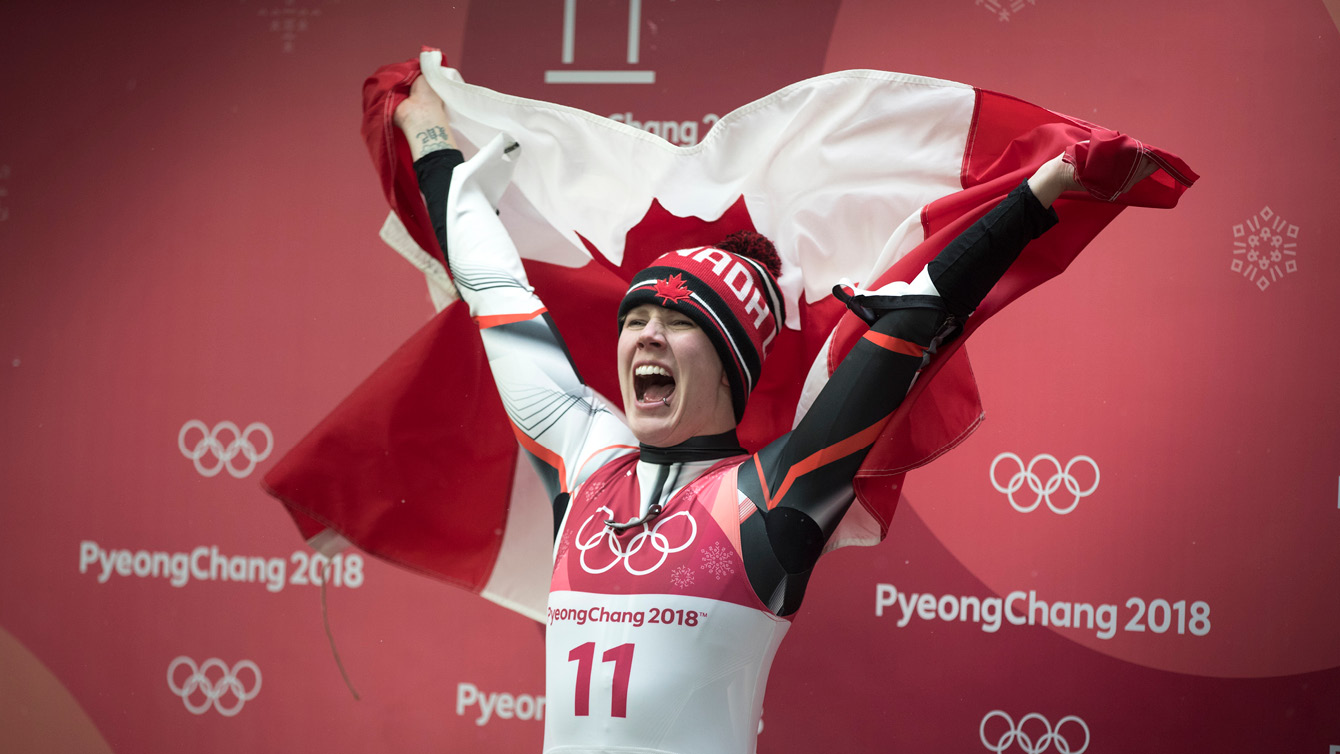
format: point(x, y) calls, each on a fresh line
point(566, 428)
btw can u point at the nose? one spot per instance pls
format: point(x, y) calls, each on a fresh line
point(652, 335)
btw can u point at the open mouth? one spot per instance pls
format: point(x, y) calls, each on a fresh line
point(653, 384)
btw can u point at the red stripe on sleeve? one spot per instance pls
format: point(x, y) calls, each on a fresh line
point(762, 482)
point(858, 441)
point(544, 454)
point(897, 345)
point(493, 320)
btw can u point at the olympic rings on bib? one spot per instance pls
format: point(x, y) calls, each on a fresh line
point(213, 691)
point(211, 444)
point(659, 542)
point(1062, 476)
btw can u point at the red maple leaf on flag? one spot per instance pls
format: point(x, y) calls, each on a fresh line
point(672, 289)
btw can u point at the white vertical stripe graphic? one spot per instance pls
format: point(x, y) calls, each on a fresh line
point(634, 24)
point(569, 28)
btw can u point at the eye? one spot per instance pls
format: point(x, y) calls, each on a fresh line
point(633, 322)
point(683, 324)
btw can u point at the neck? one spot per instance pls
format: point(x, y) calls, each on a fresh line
point(701, 448)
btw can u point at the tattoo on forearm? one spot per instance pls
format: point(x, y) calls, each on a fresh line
point(434, 139)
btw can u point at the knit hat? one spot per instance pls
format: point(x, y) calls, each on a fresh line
point(730, 291)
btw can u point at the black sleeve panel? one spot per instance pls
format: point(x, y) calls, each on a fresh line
point(801, 482)
point(810, 470)
point(803, 537)
point(434, 172)
point(560, 504)
point(970, 265)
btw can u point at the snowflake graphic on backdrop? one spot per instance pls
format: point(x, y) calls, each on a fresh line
point(288, 21)
point(1003, 9)
point(717, 561)
point(681, 577)
point(1265, 248)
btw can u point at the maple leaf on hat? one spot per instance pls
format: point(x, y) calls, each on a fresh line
point(672, 289)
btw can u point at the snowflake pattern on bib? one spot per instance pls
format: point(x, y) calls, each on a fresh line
point(717, 560)
point(681, 577)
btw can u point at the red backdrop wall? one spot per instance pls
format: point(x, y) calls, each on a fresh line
point(188, 251)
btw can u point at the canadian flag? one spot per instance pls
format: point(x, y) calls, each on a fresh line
point(857, 175)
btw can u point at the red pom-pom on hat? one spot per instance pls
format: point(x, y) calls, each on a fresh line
point(756, 246)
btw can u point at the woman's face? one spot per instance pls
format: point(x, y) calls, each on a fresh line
point(671, 378)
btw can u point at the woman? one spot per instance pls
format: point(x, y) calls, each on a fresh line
point(679, 557)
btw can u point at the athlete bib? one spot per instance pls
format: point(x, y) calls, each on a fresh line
point(655, 640)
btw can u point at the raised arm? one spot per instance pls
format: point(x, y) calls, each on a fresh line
point(565, 428)
point(802, 482)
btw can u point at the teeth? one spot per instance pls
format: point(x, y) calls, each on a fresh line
point(646, 370)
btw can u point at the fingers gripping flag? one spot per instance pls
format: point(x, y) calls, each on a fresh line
point(857, 175)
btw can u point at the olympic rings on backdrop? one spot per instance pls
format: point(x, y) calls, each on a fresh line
point(659, 542)
point(1062, 476)
point(213, 691)
point(211, 444)
point(1026, 743)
